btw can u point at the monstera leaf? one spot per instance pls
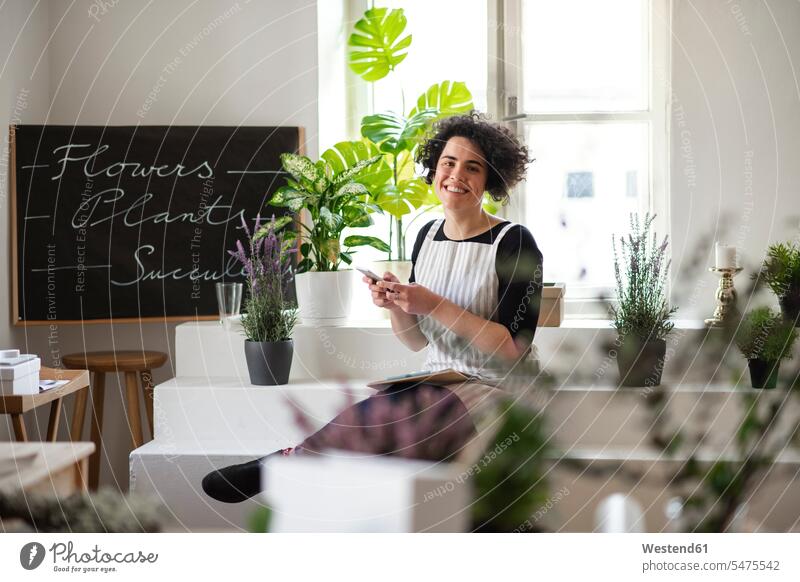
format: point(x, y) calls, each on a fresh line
point(346, 156)
point(394, 133)
point(446, 98)
point(406, 196)
point(375, 49)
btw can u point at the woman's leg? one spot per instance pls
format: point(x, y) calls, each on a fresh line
point(412, 421)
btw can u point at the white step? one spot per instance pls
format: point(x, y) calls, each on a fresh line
point(365, 350)
point(202, 411)
point(576, 490)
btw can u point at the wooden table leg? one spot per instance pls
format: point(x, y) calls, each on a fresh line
point(19, 427)
point(134, 416)
point(80, 475)
point(52, 424)
point(147, 384)
point(98, 396)
point(79, 414)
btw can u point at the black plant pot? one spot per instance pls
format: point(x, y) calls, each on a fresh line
point(269, 363)
point(641, 363)
point(790, 308)
point(764, 373)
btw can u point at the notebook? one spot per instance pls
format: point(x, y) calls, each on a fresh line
point(440, 378)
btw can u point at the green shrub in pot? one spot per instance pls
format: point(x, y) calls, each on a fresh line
point(765, 338)
point(641, 314)
point(334, 201)
point(781, 272)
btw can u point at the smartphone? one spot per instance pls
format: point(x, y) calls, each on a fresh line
point(369, 274)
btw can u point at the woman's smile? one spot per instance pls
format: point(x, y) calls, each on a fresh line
point(461, 174)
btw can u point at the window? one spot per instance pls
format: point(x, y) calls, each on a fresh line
point(580, 81)
point(580, 185)
point(431, 59)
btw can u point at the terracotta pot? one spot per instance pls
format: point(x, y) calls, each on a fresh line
point(269, 363)
point(764, 373)
point(641, 363)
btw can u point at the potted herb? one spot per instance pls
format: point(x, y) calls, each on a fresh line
point(764, 338)
point(377, 46)
point(269, 316)
point(641, 314)
point(334, 202)
point(781, 271)
point(511, 489)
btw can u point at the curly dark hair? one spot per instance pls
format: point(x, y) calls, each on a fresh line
point(506, 157)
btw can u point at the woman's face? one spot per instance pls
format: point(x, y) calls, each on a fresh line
point(461, 174)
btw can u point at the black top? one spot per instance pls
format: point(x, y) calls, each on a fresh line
point(519, 272)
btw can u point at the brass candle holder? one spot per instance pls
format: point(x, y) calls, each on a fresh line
point(726, 294)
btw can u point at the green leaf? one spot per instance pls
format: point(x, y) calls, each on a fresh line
point(405, 165)
point(346, 154)
point(446, 98)
point(408, 195)
point(276, 226)
point(330, 250)
point(329, 219)
point(300, 167)
point(346, 257)
point(352, 189)
point(356, 217)
point(394, 133)
point(305, 249)
point(361, 241)
point(288, 197)
point(375, 48)
point(305, 265)
point(350, 173)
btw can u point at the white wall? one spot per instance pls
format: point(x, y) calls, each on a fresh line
point(200, 62)
point(24, 98)
point(735, 136)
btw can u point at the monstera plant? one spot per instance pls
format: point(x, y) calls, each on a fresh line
point(377, 46)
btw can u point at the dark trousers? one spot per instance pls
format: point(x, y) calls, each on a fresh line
point(417, 421)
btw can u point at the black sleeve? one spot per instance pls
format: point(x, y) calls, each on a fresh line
point(519, 271)
point(418, 245)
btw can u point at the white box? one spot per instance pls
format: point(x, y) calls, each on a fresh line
point(354, 492)
point(22, 378)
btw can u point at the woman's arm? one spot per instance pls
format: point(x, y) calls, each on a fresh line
point(404, 325)
point(487, 336)
point(406, 328)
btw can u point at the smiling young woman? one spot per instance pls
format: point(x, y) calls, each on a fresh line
point(473, 298)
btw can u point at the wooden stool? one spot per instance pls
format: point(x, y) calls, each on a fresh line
point(130, 362)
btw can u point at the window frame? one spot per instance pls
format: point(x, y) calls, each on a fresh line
point(506, 84)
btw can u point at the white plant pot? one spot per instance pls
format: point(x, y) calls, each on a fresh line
point(348, 492)
point(324, 298)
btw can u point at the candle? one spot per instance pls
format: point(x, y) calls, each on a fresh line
point(726, 256)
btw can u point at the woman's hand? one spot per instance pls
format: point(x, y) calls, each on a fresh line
point(379, 297)
point(412, 298)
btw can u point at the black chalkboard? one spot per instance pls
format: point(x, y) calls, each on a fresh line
point(133, 222)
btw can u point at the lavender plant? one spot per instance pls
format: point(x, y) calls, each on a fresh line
point(270, 315)
point(640, 270)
